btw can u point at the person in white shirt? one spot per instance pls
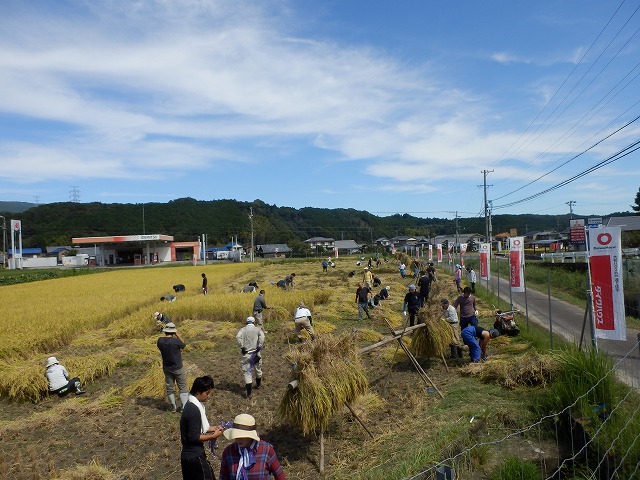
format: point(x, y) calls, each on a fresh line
point(59, 381)
point(451, 316)
point(472, 278)
point(303, 321)
point(251, 341)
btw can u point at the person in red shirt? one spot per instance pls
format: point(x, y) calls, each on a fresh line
point(248, 457)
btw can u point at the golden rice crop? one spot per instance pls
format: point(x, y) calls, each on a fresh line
point(152, 383)
point(25, 379)
point(31, 324)
point(330, 374)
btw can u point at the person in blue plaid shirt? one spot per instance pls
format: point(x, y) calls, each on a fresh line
point(248, 457)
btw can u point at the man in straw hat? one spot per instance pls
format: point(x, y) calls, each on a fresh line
point(170, 347)
point(59, 381)
point(302, 320)
point(251, 340)
point(248, 458)
point(195, 430)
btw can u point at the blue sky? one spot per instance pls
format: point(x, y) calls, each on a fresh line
point(389, 107)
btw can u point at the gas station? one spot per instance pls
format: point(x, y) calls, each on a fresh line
point(135, 249)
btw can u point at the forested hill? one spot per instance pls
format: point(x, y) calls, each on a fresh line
point(186, 218)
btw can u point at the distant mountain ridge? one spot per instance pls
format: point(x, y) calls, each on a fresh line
point(15, 207)
point(221, 220)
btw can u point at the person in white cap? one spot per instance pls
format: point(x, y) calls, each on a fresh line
point(195, 430)
point(367, 278)
point(161, 319)
point(59, 381)
point(302, 320)
point(170, 347)
point(251, 340)
point(248, 457)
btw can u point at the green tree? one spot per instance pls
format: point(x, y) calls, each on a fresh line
point(636, 207)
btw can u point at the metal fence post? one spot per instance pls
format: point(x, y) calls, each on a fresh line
point(549, 296)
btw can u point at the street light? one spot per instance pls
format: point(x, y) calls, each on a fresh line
point(4, 242)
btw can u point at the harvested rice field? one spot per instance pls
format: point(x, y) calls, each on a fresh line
point(101, 328)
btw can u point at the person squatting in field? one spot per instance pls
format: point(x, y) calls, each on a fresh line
point(477, 339)
point(302, 320)
point(195, 430)
point(250, 338)
point(170, 347)
point(59, 380)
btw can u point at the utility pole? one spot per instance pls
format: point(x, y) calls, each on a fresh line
point(4, 242)
point(490, 223)
point(251, 220)
point(571, 203)
point(486, 207)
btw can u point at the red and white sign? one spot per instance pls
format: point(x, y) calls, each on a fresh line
point(463, 250)
point(485, 261)
point(449, 250)
point(439, 252)
point(605, 271)
point(430, 252)
point(516, 263)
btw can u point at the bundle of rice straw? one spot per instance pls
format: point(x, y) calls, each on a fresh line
point(434, 338)
point(531, 369)
point(329, 373)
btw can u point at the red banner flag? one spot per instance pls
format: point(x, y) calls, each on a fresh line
point(607, 296)
point(516, 263)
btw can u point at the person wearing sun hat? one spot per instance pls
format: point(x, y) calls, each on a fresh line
point(170, 347)
point(58, 378)
point(250, 338)
point(248, 457)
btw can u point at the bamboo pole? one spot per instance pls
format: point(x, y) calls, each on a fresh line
point(397, 334)
point(322, 453)
point(421, 371)
point(358, 419)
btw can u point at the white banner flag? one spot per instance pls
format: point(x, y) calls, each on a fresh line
point(439, 252)
point(605, 272)
point(516, 263)
point(463, 250)
point(485, 261)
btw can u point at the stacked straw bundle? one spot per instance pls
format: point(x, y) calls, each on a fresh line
point(329, 374)
point(531, 369)
point(434, 338)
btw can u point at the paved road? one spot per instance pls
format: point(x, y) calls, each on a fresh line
point(567, 320)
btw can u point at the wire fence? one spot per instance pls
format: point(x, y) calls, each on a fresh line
point(564, 444)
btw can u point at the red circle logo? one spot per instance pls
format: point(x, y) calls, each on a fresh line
point(516, 242)
point(604, 238)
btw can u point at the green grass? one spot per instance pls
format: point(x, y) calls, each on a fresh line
point(14, 277)
point(515, 468)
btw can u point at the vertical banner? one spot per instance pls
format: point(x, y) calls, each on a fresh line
point(463, 250)
point(516, 263)
point(430, 253)
point(605, 265)
point(449, 250)
point(439, 252)
point(485, 261)
point(335, 252)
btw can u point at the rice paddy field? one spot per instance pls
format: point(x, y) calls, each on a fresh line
point(101, 328)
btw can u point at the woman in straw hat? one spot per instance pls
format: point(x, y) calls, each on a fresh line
point(248, 458)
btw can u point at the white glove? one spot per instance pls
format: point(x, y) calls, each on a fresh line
point(476, 313)
point(404, 313)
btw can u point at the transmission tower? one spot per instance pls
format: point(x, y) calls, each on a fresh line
point(74, 194)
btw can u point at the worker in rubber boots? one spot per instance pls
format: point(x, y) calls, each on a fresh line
point(250, 338)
